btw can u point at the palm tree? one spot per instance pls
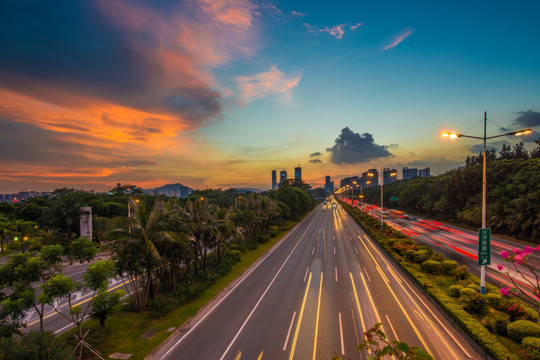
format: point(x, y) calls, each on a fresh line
point(523, 216)
point(135, 247)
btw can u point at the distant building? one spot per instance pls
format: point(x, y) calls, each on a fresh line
point(282, 176)
point(389, 175)
point(424, 172)
point(274, 179)
point(328, 185)
point(350, 181)
point(298, 173)
point(409, 173)
point(370, 178)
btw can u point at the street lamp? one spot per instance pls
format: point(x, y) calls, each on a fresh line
point(484, 182)
point(352, 193)
point(382, 183)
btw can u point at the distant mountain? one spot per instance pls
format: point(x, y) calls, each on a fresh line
point(177, 190)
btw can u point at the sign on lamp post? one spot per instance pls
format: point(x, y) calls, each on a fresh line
point(484, 245)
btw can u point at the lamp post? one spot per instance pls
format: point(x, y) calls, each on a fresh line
point(352, 192)
point(484, 182)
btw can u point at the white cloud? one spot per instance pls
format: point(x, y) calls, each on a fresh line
point(263, 84)
point(398, 39)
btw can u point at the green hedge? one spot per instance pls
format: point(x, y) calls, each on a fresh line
point(520, 329)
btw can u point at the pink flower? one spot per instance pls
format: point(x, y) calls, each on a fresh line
point(538, 295)
point(518, 259)
point(505, 292)
point(538, 248)
point(528, 250)
point(516, 251)
point(500, 267)
point(505, 254)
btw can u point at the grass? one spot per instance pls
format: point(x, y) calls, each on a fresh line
point(127, 328)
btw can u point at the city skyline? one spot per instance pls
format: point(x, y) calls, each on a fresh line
point(218, 94)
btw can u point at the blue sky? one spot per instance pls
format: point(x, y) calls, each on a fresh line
point(219, 93)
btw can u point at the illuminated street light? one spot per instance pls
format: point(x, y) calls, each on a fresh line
point(484, 183)
point(382, 183)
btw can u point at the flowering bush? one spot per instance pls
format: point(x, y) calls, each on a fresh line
point(519, 259)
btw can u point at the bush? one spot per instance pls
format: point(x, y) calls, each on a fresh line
point(432, 266)
point(449, 267)
point(463, 273)
point(494, 300)
point(161, 306)
point(474, 303)
point(35, 345)
point(420, 256)
point(531, 346)
point(497, 323)
point(474, 287)
point(409, 255)
point(531, 314)
point(437, 256)
point(520, 329)
point(454, 290)
point(402, 247)
point(427, 248)
point(467, 292)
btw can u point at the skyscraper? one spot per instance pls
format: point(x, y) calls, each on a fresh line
point(274, 179)
point(298, 173)
point(424, 172)
point(409, 173)
point(282, 176)
point(328, 185)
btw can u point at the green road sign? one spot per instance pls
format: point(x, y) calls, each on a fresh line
point(394, 198)
point(484, 246)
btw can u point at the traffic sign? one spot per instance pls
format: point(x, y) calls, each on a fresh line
point(484, 246)
point(394, 198)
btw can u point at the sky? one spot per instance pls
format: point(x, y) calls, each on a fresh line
point(217, 94)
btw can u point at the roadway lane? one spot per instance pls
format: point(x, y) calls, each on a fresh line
point(312, 297)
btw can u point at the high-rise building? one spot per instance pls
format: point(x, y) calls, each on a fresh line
point(282, 176)
point(352, 180)
point(409, 173)
point(274, 179)
point(389, 175)
point(424, 172)
point(298, 173)
point(328, 185)
point(370, 178)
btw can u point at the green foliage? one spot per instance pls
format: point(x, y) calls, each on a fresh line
point(35, 346)
point(162, 305)
point(520, 329)
point(449, 267)
point(474, 287)
point(81, 249)
point(455, 289)
point(497, 323)
point(104, 304)
point(432, 266)
point(531, 346)
point(420, 256)
point(495, 301)
point(472, 302)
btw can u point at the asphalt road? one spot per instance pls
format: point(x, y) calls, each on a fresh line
point(311, 297)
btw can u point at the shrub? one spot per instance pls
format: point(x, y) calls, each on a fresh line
point(35, 345)
point(515, 310)
point(497, 323)
point(409, 255)
point(474, 303)
point(161, 306)
point(454, 290)
point(531, 314)
point(427, 248)
point(432, 266)
point(401, 247)
point(438, 256)
point(474, 287)
point(520, 329)
point(531, 346)
point(467, 292)
point(494, 300)
point(463, 272)
point(449, 267)
point(420, 256)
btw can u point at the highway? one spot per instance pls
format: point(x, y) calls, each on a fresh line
point(461, 245)
point(311, 297)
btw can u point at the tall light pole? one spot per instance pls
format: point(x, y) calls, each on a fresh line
point(352, 193)
point(484, 188)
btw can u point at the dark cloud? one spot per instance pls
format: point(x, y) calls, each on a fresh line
point(353, 148)
point(315, 154)
point(315, 161)
point(527, 119)
point(68, 51)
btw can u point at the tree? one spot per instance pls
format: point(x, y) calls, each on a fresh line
point(506, 152)
point(535, 154)
point(61, 287)
point(519, 151)
point(523, 216)
point(81, 249)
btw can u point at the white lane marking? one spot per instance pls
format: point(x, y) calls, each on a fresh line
point(78, 295)
point(335, 271)
point(341, 336)
point(289, 332)
point(391, 327)
point(334, 250)
point(367, 275)
point(305, 276)
point(240, 282)
point(313, 251)
point(355, 250)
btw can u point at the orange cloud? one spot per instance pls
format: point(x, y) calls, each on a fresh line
point(264, 84)
point(398, 39)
